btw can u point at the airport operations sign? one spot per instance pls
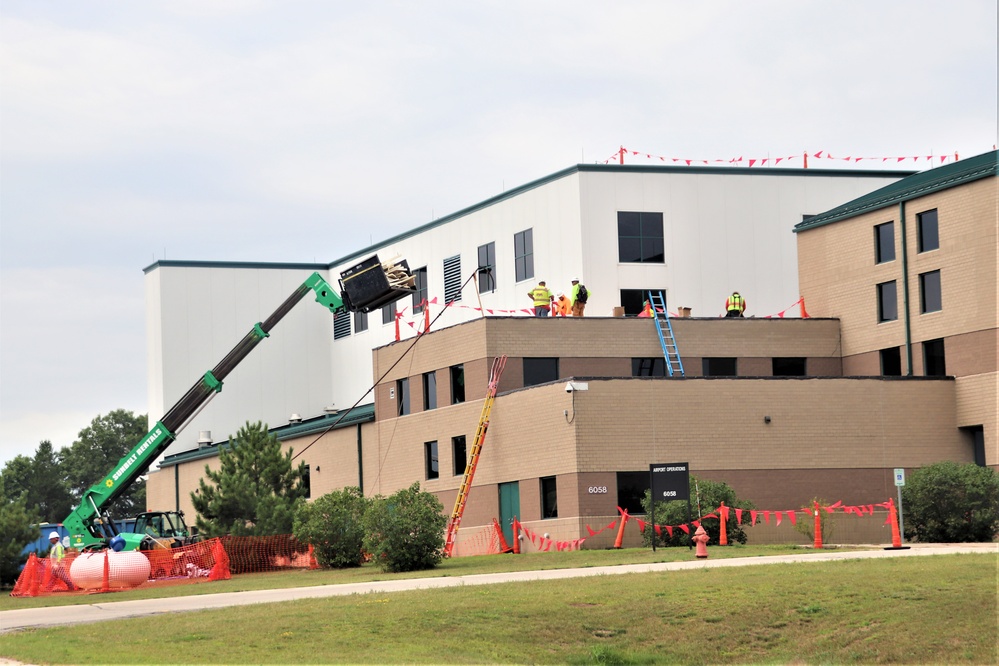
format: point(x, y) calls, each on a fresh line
point(670, 481)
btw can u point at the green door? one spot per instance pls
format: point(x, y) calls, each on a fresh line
point(509, 499)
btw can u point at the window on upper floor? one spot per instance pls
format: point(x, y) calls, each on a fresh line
point(431, 460)
point(648, 367)
point(459, 454)
point(640, 238)
point(307, 482)
point(929, 292)
point(429, 390)
point(718, 367)
point(523, 254)
point(402, 396)
point(360, 321)
point(633, 300)
point(341, 325)
point(929, 235)
point(452, 279)
point(891, 362)
point(934, 364)
point(549, 497)
point(887, 301)
point(420, 295)
point(884, 242)
point(457, 373)
point(486, 275)
point(540, 370)
point(788, 367)
point(388, 313)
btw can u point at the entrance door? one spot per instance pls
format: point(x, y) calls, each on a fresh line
point(509, 501)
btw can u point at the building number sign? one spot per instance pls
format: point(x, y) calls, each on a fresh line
point(597, 490)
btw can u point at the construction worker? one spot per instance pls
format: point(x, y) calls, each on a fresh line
point(543, 300)
point(579, 296)
point(57, 560)
point(563, 306)
point(735, 305)
point(646, 310)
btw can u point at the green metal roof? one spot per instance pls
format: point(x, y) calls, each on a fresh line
point(912, 187)
point(314, 426)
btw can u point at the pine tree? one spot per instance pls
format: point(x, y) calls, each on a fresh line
point(255, 491)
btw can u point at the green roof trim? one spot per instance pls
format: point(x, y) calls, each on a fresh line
point(618, 168)
point(912, 187)
point(314, 426)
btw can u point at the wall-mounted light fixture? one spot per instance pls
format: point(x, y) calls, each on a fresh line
point(766, 419)
point(317, 468)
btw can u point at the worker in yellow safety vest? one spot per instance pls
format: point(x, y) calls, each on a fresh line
point(57, 560)
point(735, 305)
point(542, 300)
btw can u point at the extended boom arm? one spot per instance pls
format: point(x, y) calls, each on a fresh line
point(366, 286)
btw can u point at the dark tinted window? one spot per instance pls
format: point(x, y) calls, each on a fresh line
point(718, 367)
point(549, 497)
point(631, 487)
point(887, 301)
point(789, 367)
point(648, 367)
point(884, 242)
point(933, 358)
point(540, 370)
point(930, 299)
point(457, 384)
point(430, 390)
point(929, 235)
point(360, 321)
point(891, 362)
point(459, 454)
point(640, 237)
point(388, 313)
point(487, 268)
point(420, 295)
point(433, 465)
point(523, 254)
point(402, 396)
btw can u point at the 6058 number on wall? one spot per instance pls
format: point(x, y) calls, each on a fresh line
point(597, 490)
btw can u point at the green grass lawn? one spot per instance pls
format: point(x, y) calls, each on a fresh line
point(939, 609)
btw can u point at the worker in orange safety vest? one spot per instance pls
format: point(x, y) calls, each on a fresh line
point(563, 307)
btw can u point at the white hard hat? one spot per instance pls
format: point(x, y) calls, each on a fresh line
point(53, 535)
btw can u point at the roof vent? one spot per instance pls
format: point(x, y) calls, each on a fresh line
point(295, 418)
point(204, 439)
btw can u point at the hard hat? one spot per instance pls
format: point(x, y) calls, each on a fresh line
point(53, 535)
point(575, 279)
point(561, 294)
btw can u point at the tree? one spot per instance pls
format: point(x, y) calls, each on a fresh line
point(18, 527)
point(405, 531)
point(334, 525)
point(98, 449)
point(712, 494)
point(951, 502)
point(255, 492)
point(41, 481)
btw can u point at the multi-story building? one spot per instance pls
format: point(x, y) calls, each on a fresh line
point(782, 409)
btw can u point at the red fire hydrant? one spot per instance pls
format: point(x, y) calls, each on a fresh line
point(701, 539)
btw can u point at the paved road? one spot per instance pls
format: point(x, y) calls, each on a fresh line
point(13, 620)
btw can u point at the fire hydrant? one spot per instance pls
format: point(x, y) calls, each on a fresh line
point(701, 539)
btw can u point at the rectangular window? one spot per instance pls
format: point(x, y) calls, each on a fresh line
point(341, 325)
point(884, 242)
point(789, 367)
point(933, 358)
point(540, 370)
point(549, 497)
point(457, 384)
point(648, 367)
point(887, 301)
point(929, 292)
point(631, 487)
point(487, 268)
point(633, 300)
point(433, 464)
point(459, 454)
point(891, 362)
point(640, 238)
point(929, 234)
point(360, 321)
point(452, 279)
point(523, 254)
point(388, 313)
point(307, 482)
point(718, 367)
point(402, 396)
point(420, 295)
point(429, 390)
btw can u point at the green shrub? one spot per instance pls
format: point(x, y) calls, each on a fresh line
point(334, 525)
point(805, 523)
point(950, 502)
point(712, 494)
point(405, 532)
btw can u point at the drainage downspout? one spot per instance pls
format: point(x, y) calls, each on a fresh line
point(905, 293)
point(360, 462)
point(176, 486)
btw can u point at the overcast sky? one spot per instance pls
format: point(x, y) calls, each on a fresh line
point(300, 131)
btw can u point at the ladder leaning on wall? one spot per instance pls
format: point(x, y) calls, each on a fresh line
point(473, 459)
point(664, 328)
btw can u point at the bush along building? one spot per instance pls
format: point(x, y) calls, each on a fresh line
point(783, 409)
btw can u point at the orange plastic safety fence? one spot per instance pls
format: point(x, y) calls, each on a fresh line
point(271, 553)
point(481, 541)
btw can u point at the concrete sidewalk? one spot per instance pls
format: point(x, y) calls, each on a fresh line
point(116, 610)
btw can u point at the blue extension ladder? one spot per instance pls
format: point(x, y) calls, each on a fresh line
point(674, 365)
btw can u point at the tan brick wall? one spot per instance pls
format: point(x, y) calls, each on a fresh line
point(978, 404)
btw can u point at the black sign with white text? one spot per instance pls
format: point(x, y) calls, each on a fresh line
point(670, 481)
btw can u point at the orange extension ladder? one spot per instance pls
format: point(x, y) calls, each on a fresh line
point(480, 435)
